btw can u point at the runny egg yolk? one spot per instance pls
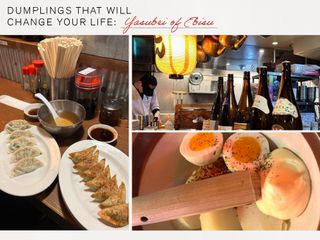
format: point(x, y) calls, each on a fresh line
point(246, 149)
point(201, 141)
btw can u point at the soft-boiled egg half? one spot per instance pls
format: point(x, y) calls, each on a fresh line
point(201, 148)
point(245, 151)
point(285, 185)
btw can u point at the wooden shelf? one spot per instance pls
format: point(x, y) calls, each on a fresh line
point(18, 43)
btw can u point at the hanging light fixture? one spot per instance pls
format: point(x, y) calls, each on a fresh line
point(176, 55)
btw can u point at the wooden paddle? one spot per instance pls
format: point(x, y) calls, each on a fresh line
point(222, 192)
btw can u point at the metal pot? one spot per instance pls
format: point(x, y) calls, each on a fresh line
point(62, 106)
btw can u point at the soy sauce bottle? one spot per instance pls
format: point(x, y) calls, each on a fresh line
point(286, 112)
point(87, 93)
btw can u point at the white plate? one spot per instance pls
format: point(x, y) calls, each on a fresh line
point(38, 180)
point(167, 168)
point(74, 191)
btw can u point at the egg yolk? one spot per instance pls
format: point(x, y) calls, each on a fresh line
point(201, 141)
point(246, 149)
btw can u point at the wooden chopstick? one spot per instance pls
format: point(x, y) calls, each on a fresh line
point(222, 192)
point(60, 55)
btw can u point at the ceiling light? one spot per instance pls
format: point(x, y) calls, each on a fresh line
point(275, 43)
point(228, 64)
point(261, 50)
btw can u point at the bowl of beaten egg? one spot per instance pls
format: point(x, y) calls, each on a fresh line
point(288, 190)
point(71, 115)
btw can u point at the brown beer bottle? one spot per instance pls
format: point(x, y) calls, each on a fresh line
point(244, 107)
point(286, 112)
point(261, 113)
point(229, 107)
point(216, 107)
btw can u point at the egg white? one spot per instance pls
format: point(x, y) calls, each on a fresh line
point(285, 185)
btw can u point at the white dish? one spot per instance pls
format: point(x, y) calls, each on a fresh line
point(74, 191)
point(104, 126)
point(175, 170)
point(34, 182)
point(30, 107)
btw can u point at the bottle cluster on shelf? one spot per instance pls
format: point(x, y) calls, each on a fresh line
point(257, 114)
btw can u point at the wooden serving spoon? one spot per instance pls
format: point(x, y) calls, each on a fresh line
point(222, 192)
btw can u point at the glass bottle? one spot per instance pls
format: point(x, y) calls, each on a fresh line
point(25, 78)
point(244, 107)
point(286, 112)
point(41, 76)
point(33, 78)
point(216, 107)
point(229, 107)
point(261, 113)
point(87, 93)
point(110, 112)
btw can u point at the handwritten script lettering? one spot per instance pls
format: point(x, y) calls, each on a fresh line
point(172, 24)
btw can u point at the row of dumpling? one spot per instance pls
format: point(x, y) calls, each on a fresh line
point(22, 148)
point(110, 196)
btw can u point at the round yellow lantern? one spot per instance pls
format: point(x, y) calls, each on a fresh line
point(176, 55)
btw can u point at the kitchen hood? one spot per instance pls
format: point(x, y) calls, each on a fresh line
point(307, 46)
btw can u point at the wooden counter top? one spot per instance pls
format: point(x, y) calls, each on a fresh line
point(51, 198)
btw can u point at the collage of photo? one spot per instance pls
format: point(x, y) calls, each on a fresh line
point(207, 132)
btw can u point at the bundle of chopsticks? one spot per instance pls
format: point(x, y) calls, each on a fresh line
point(60, 55)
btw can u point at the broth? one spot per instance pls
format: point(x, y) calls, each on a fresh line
point(65, 119)
point(33, 111)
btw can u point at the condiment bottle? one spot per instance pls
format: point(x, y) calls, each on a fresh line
point(87, 93)
point(110, 112)
point(33, 79)
point(168, 124)
point(42, 82)
point(25, 78)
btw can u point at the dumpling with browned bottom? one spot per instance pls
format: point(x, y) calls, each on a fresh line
point(87, 163)
point(116, 216)
point(100, 180)
point(117, 198)
point(80, 156)
point(106, 191)
point(93, 171)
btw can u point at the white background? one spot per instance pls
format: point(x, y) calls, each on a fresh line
point(231, 16)
point(268, 17)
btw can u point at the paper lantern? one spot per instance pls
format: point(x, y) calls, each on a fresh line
point(176, 55)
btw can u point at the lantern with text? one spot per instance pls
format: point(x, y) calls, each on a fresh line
point(176, 55)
